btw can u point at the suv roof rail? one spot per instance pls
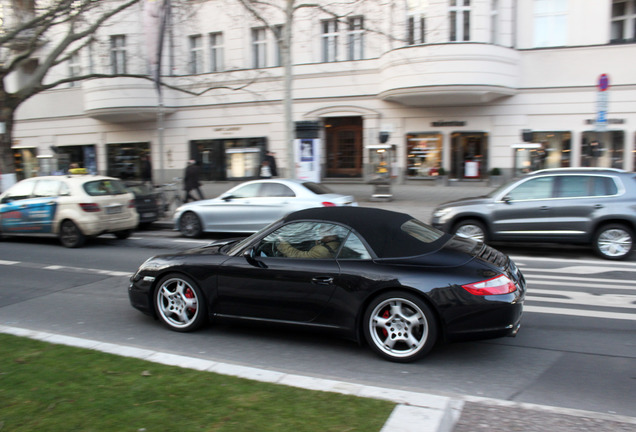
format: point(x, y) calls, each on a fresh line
point(547, 170)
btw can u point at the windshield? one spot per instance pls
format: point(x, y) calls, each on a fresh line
point(317, 188)
point(237, 247)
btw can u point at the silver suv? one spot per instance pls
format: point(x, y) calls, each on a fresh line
point(594, 206)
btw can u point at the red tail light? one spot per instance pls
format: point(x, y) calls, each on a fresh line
point(131, 203)
point(495, 286)
point(328, 204)
point(90, 207)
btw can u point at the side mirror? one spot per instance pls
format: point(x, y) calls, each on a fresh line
point(251, 257)
point(227, 197)
point(507, 199)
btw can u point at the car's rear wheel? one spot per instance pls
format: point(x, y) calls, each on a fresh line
point(471, 228)
point(400, 327)
point(70, 235)
point(122, 235)
point(190, 225)
point(614, 241)
point(179, 303)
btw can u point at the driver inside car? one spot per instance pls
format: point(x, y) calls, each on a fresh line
point(326, 247)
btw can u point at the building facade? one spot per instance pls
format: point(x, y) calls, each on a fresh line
point(412, 89)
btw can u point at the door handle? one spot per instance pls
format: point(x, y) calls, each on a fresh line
point(599, 206)
point(322, 280)
point(544, 208)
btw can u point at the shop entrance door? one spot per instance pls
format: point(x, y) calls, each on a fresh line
point(344, 146)
point(469, 155)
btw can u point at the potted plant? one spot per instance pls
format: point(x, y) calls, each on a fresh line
point(442, 176)
point(495, 177)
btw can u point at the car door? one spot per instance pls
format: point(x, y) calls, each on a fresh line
point(18, 206)
point(526, 211)
point(43, 207)
point(577, 199)
point(269, 286)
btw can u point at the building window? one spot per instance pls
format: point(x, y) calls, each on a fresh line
point(355, 36)
point(74, 68)
point(416, 28)
point(494, 21)
point(259, 47)
point(118, 54)
point(623, 21)
point(196, 54)
point(603, 149)
point(551, 149)
point(329, 40)
point(424, 154)
point(278, 34)
point(216, 52)
point(550, 23)
point(460, 20)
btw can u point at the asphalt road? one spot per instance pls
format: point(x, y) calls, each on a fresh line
point(576, 348)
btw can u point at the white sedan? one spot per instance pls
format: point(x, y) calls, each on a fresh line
point(252, 205)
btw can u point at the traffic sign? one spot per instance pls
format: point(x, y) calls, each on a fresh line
point(603, 82)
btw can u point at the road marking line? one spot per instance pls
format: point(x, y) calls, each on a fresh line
point(576, 284)
point(5, 262)
point(583, 298)
point(580, 312)
point(599, 262)
point(529, 274)
point(583, 270)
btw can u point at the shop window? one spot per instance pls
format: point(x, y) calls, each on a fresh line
point(603, 149)
point(424, 154)
point(223, 159)
point(124, 160)
point(469, 153)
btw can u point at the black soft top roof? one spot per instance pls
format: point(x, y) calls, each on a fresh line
point(380, 228)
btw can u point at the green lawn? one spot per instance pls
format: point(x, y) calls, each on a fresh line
point(47, 387)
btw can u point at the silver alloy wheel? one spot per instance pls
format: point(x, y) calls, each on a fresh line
point(614, 242)
point(398, 327)
point(190, 225)
point(177, 303)
point(471, 231)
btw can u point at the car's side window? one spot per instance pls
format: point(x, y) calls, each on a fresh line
point(311, 240)
point(353, 249)
point(247, 191)
point(604, 186)
point(533, 189)
point(20, 191)
point(46, 188)
point(574, 186)
point(276, 190)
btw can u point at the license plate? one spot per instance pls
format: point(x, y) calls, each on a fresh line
point(114, 209)
point(148, 215)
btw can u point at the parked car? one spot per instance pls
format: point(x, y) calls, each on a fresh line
point(146, 201)
point(250, 206)
point(594, 206)
point(71, 207)
point(366, 274)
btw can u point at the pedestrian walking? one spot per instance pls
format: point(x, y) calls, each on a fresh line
point(191, 182)
point(266, 170)
point(269, 157)
point(146, 169)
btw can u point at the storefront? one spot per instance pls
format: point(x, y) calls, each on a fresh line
point(229, 159)
point(124, 160)
point(26, 162)
point(423, 154)
point(469, 155)
point(603, 149)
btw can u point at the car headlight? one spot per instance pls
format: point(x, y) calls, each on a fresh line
point(442, 215)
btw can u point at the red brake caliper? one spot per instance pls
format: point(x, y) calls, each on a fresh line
point(189, 294)
point(386, 314)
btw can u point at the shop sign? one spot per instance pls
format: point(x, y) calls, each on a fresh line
point(448, 123)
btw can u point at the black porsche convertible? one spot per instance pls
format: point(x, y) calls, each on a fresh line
point(371, 275)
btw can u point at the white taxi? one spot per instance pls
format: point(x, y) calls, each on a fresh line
point(72, 207)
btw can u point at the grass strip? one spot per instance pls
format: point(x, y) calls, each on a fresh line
point(48, 387)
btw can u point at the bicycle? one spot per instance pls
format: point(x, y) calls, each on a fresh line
point(169, 198)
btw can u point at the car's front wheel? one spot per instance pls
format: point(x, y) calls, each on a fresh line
point(179, 303)
point(190, 225)
point(70, 235)
point(471, 228)
point(400, 327)
point(614, 241)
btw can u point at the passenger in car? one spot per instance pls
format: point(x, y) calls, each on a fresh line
point(324, 248)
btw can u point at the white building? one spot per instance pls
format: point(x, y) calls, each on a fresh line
point(453, 83)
